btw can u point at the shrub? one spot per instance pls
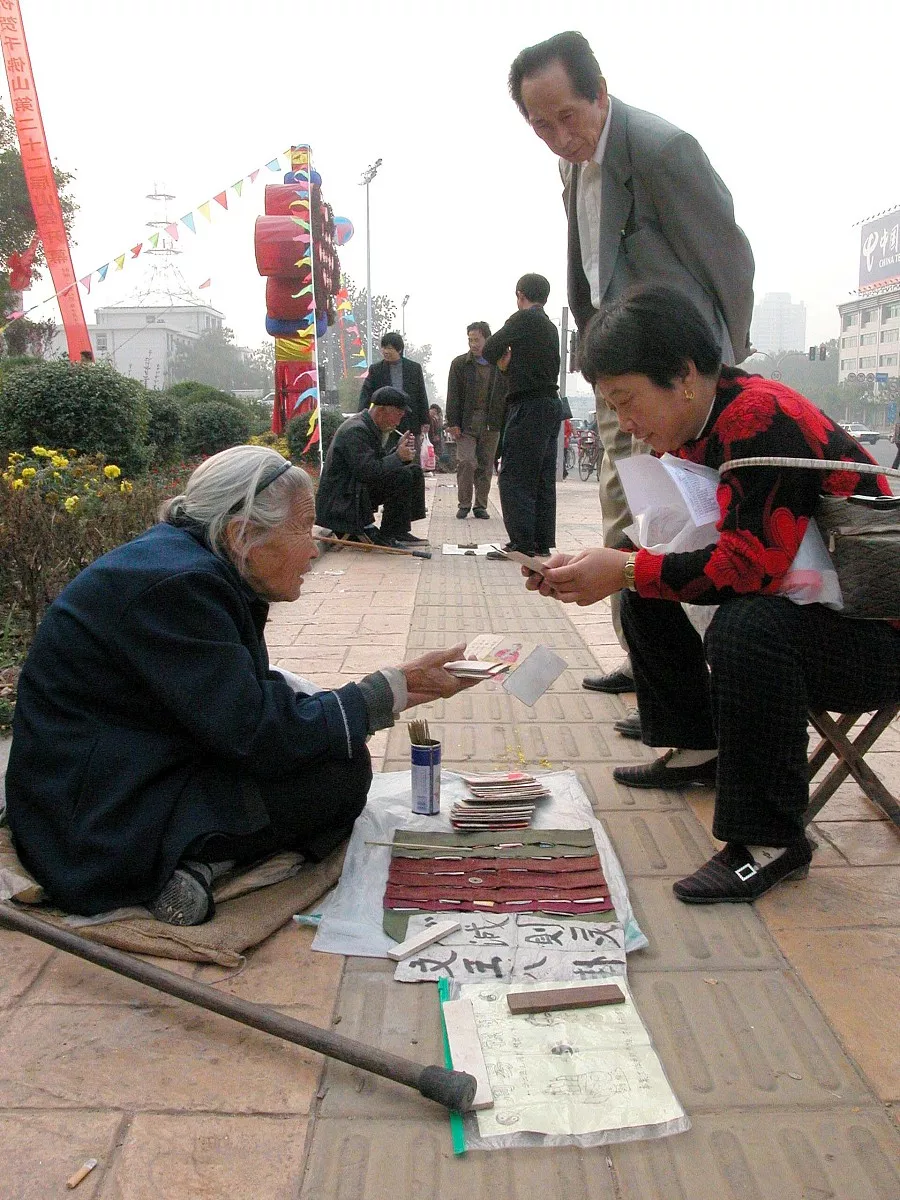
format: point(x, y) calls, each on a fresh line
point(297, 434)
point(273, 440)
point(189, 392)
point(88, 405)
point(211, 427)
point(164, 428)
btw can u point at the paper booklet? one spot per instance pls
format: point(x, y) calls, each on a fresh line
point(673, 502)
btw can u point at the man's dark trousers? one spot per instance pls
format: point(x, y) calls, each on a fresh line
point(403, 497)
point(528, 472)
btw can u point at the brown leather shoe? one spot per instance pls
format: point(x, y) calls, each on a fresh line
point(658, 775)
point(732, 876)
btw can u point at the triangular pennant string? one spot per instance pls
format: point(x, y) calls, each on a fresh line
point(86, 283)
point(101, 273)
point(120, 262)
point(238, 187)
point(253, 175)
point(203, 209)
point(188, 219)
point(135, 250)
point(221, 198)
point(153, 240)
point(274, 165)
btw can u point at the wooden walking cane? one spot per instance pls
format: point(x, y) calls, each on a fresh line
point(347, 545)
point(453, 1089)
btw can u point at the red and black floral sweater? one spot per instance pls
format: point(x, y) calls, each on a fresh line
point(765, 511)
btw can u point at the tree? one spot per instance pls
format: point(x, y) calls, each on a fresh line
point(384, 311)
point(34, 338)
point(17, 225)
point(213, 358)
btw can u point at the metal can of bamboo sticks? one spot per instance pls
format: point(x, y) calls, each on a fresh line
point(426, 778)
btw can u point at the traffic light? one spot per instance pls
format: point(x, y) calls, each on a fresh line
point(573, 352)
point(823, 352)
point(812, 354)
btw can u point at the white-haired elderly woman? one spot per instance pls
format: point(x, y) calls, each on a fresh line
point(152, 742)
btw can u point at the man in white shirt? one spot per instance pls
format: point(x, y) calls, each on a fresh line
point(648, 208)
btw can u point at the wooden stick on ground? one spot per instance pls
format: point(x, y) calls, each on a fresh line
point(346, 545)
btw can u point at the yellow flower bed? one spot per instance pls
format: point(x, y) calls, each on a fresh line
point(69, 481)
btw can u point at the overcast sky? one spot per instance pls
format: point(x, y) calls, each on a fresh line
point(795, 104)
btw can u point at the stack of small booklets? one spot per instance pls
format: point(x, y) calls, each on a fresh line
point(505, 800)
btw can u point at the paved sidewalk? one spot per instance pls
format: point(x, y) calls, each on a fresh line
point(777, 1023)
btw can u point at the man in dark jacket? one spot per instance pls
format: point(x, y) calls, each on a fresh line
point(397, 371)
point(528, 347)
point(361, 473)
point(476, 399)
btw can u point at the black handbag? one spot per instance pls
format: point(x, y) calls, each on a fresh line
point(861, 534)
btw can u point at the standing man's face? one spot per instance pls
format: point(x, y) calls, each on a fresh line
point(476, 342)
point(569, 124)
point(390, 354)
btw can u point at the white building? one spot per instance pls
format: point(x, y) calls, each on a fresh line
point(141, 341)
point(778, 324)
point(870, 336)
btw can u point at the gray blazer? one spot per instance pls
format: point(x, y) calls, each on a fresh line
point(666, 217)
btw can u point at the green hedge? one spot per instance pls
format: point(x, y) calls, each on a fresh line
point(211, 427)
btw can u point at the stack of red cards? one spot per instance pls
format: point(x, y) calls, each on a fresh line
point(505, 800)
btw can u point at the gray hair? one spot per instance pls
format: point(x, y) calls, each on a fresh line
point(245, 482)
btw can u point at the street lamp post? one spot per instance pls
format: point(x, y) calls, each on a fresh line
point(367, 176)
point(403, 304)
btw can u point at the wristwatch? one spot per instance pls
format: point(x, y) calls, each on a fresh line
point(628, 573)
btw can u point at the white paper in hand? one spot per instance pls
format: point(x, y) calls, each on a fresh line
point(538, 672)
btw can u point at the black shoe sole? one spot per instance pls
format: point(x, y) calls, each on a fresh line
point(799, 873)
point(669, 779)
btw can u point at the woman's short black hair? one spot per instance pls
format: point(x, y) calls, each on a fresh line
point(654, 331)
point(534, 287)
point(573, 51)
point(393, 339)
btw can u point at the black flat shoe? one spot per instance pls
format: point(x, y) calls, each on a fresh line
point(462, 513)
point(732, 876)
point(410, 539)
point(629, 726)
point(481, 513)
point(658, 775)
point(614, 682)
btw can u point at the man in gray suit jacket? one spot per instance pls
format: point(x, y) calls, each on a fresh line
point(644, 206)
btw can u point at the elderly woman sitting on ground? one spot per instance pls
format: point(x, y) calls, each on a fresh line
point(733, 711)
point(152, 742)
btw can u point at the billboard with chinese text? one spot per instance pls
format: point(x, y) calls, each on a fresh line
point(879, 257)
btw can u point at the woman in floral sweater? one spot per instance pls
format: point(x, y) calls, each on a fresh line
point(734, 706)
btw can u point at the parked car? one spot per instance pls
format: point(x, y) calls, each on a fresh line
point(861, 432)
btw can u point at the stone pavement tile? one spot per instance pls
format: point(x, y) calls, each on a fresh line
point(413, 1160)
point(22, 959)
point(848, 1154)
point(283, 971)
point(71, 980)
point(296, 612)
point(707, 938)
point(351, 602)
point(39, 1151)
point(402, 1018)
point(657, 843)
point(572, 707)
point(864, 843)
point(137, 1058)
point(606, 795)
point(740, 1039)
point(702, 802)
point(382, 623)
point(203, 1156)
point(850, 803)
point(834, 898)
point(448, 628)
point(330, 658)
point(478, 705)
point(561, 746)
point(460, 744)
point(853, 975)
point(278, 635)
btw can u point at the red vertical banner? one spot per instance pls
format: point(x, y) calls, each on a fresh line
point(48, 216)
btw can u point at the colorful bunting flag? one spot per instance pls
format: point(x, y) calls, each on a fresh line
point(274, 165)
point(172, 231)
point(204, 209)
point(188, 219)
point(253, 175)
point(238, 186)
point(135, 250)
point(153, 240)
point(86, 283)
point(204, 284)
point(101, 273)
point(120, 262)
point(221, 198)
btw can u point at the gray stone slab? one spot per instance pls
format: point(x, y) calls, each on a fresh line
point(459, 743)
point(376, 1159)
point(706, 938)
point(608, 796)
point(843, 1155)
point(581, 707)
point(479, 705)
point(658, 843)
point(744, 1039)
point(565, 745)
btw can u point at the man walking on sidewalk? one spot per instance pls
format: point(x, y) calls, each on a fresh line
point(527, 348)
point(476, 399)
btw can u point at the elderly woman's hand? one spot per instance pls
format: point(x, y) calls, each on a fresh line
point(582, 578)
point(427, 680)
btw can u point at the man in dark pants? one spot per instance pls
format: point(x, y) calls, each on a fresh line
point(401, 373)
point(527, 347)
point(476, 401)
point(361, 473)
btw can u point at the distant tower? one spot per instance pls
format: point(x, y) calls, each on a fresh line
point(162, 284)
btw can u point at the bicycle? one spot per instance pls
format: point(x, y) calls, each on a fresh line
point(588, 455)
point(569, 458)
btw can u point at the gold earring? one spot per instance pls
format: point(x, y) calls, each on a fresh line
point(688, 394)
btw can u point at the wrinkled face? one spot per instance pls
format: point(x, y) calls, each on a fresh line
point(476, 342)
point(568, 123)
point(659, 416)
point(390, 354)
point(275, 568)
